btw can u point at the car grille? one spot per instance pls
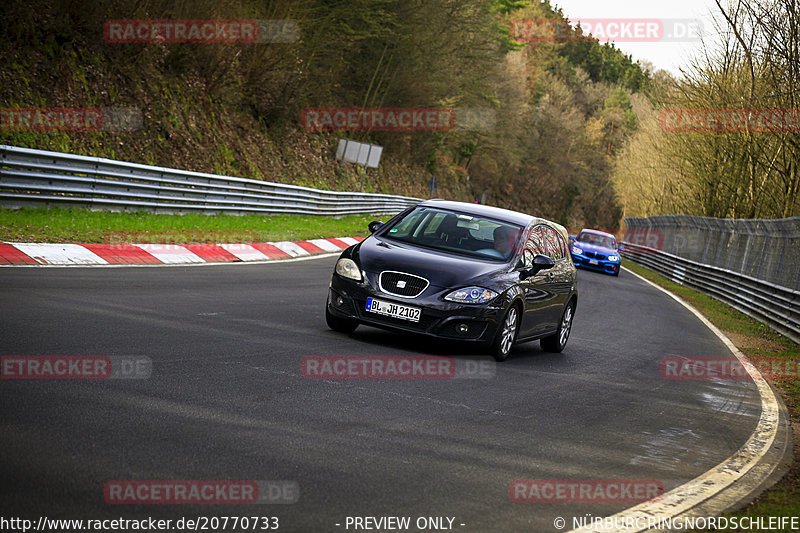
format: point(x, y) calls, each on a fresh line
point(594, 255)
point(402, 284)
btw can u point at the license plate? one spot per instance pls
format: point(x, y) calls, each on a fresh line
point(403, 312)
point(593, 262)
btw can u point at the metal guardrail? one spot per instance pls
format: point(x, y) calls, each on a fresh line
point(768, 250)
point(776, 306)
point(36, 177)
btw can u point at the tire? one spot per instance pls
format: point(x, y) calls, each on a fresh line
point(342, 325)
point(506, 334)
point(616, 272)
point(558, 341)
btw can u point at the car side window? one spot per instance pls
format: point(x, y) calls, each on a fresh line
point(564, 247)
point(554, 244)
point(533, 246)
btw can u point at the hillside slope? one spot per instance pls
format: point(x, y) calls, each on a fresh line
point(558, 111)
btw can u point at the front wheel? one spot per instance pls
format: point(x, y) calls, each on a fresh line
point(556, 342)
point(506, 335)
point(342, 325)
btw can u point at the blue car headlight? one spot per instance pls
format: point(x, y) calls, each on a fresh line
point(613, 258)
point(471, 295)
point(576, 250)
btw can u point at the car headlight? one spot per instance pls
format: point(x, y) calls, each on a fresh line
point(347, 268)
point(471, 295)
point(613, 258)
point(576, 250)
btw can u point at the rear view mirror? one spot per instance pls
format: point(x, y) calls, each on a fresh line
point(374, 226)
point(540, 262)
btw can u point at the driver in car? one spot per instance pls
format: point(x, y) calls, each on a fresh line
point(504, 239)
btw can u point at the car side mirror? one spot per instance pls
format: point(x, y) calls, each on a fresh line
point(540, 262)
point(374, 226)
point(621, 248)
point(571, 239)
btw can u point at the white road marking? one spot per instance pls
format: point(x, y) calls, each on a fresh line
point(684, 498)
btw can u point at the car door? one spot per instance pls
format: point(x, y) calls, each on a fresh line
point(538, 293)
point(559, 278)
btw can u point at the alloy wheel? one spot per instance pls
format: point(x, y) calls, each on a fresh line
point(509, 331)
point(566, 326)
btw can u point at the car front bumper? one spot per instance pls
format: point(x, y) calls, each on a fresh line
point(438, 318)
point(602, 265)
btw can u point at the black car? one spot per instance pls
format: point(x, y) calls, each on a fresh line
point(459, 271)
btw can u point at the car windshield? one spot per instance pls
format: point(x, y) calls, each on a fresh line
point(459, 233)
point(598, 240)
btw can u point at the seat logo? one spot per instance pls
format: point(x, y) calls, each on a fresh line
point(401, 284)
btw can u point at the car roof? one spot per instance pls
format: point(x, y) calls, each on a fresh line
point(483, 210)
point(598, 232)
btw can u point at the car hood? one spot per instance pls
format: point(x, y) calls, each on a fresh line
point(586, 247)
point(442, 269)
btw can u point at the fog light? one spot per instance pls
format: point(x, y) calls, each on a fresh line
point(463, 328)
point(339, 301)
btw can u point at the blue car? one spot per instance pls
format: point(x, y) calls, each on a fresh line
point(596, 250)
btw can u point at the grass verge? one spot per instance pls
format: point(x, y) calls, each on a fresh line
point(756, 341)
point(60, 225)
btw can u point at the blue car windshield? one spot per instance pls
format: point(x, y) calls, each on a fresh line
point(458, 233)
point(598, 240)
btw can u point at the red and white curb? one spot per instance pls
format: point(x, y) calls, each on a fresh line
point(22, 253)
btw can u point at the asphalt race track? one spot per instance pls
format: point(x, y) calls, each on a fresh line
point(226, 401)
